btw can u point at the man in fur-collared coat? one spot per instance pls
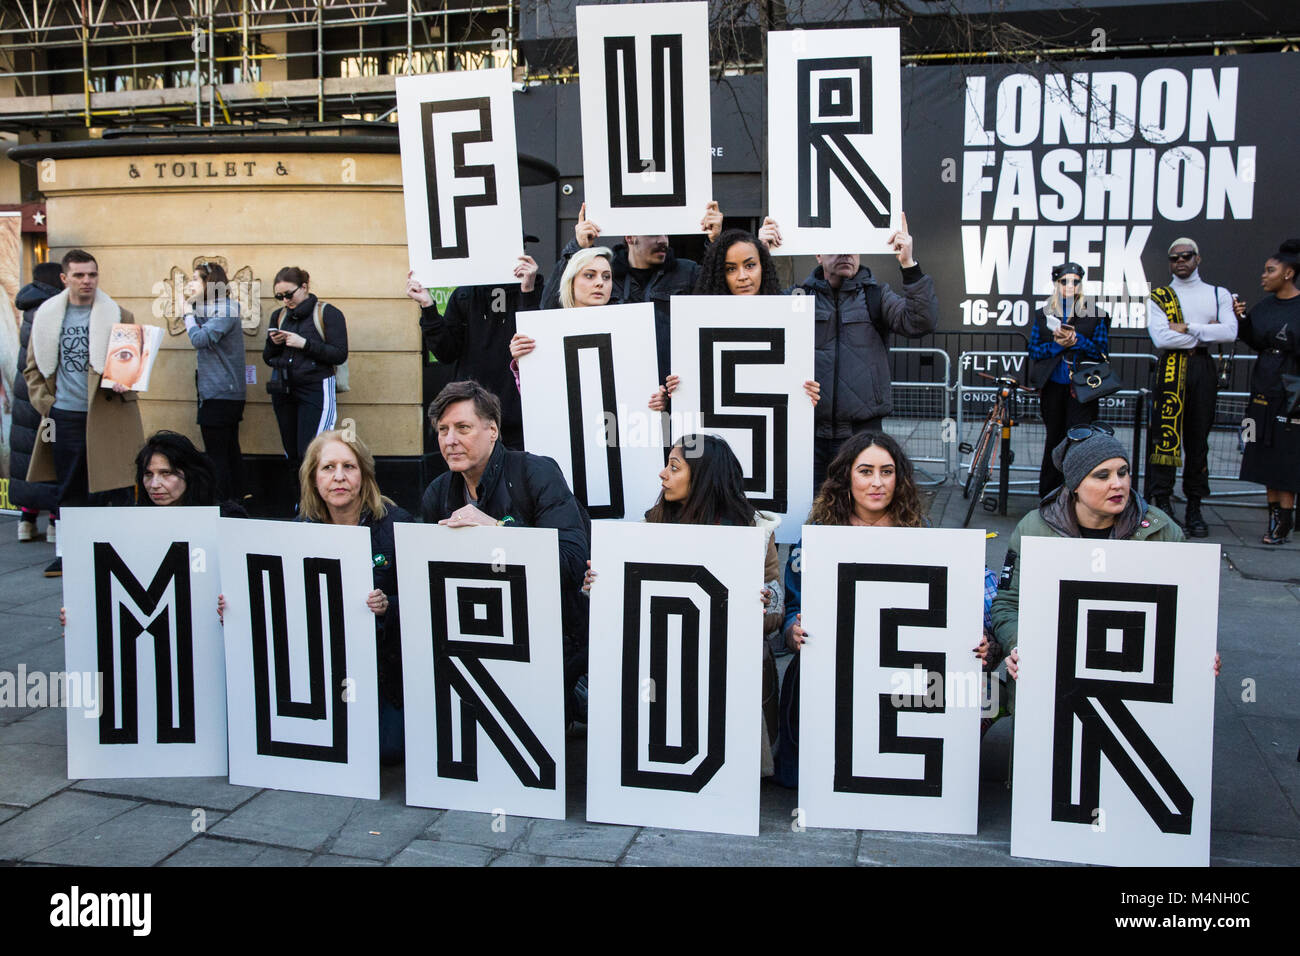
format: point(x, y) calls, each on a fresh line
point(88, 436)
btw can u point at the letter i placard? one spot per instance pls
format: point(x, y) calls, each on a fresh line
point(835, 151)
point(144, 684)
point(1115, 702)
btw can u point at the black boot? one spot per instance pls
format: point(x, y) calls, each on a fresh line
point(1195, 522)
point(1162, 502)
point(1277, 531)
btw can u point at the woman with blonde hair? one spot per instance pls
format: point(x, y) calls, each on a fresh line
point(588, 280)
point(1068, 328)
point(338, 486)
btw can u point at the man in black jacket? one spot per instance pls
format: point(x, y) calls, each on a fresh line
point(854, 315)
point(645, 270)
point(488, 484)
point(32, 497)
point(475, 336)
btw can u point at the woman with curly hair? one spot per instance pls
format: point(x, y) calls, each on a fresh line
point(869, 484)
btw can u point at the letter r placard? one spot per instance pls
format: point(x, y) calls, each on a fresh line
point(834, 139)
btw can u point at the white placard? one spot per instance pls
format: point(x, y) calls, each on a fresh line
point(644, 171)
point(301, 680)
point(835, 143)
point(742, 361)
point(460, 176)
point(145, 681)
point(675, 676)
point(584, 391)
point(481, 624)
point(1114, 709)
point(889, 686)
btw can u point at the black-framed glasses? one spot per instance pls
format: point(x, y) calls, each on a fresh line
point(1182, 256)
point(282, 296)
point(1084, 432)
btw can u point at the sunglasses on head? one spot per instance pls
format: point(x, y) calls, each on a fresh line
point(1182, 256)
point(1084, 432)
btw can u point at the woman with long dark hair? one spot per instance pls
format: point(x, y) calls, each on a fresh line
point(1272, 328)
point(703, 484)
point(306, 344)
point(212, 324)
point(170, 470)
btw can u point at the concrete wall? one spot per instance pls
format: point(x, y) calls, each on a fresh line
point(144, 216)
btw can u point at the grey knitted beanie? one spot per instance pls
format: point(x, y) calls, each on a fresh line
point(1076, 459)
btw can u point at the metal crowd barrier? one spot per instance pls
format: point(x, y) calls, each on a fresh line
point(922, 418)
point(1126, 411)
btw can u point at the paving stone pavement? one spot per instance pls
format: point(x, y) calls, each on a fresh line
point(47, 819)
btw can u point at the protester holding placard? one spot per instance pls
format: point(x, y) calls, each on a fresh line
point(855, 315)
point(704, 484)
point(170, 471)
point(1066, 329)
point(1272, 328)
point(645, 269)
point(587, 281)
point(737, 263)
point(488, 484)
point(212, 324)
point(476, 332)
point(1097, 500)
point(338, 486)
point(869, 484)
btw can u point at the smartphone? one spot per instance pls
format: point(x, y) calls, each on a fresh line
point(1053, 323)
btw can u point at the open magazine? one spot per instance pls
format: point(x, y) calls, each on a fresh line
point(132, 351)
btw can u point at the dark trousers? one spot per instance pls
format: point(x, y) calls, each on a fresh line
point(824, 449)
point(219, 422)
point(302, 415)
point(1198, 419)
point(1061, 412)
point(70, 456)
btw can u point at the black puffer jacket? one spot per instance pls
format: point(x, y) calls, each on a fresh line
point(674, 277)
point(530, 489)
point(26, 419)
point(851, 356)
point(315, 361)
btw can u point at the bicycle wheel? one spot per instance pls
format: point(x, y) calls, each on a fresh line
point(979, 475)
point(986, 437)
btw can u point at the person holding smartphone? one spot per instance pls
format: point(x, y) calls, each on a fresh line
point(306, 342)
point(1068, 327)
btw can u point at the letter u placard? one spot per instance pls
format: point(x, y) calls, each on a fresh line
point(145, 681)
point(646, 161)
point(302, 685)
point(674, 684)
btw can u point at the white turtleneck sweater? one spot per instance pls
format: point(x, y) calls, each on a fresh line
point(1207, 310)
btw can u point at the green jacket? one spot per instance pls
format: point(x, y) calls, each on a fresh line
point(1055, 517)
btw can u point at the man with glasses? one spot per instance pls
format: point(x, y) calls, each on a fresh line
point(1184, 318)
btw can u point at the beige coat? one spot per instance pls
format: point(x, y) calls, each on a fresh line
point(114, 432)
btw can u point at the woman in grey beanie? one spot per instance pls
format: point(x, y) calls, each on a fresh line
point(1096, 501)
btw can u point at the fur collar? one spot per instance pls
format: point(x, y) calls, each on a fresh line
point(48, 323)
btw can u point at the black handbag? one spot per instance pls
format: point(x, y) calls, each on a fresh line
point(1094, 380)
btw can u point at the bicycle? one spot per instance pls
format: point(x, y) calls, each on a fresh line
point(1000, 421)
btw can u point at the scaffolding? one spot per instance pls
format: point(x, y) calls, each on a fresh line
point(101, 63)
